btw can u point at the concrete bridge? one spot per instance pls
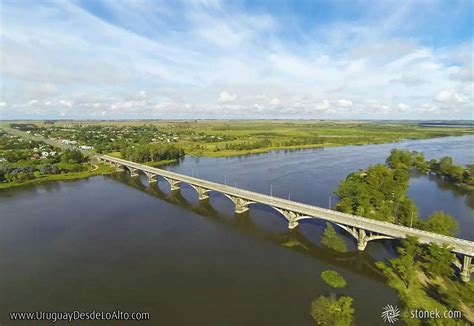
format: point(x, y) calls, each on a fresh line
point(361, 228)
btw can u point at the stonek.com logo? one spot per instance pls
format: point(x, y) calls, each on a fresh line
point(390, 313)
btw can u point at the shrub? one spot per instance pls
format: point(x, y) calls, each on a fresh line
point(333, 278)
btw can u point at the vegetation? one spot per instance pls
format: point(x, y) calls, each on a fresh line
point(437, 260)
point(224, 138)
point(405, 266)
point(333, 311)
point(151, 153)
point(333, 278)
point(403, 159)
point(380, 193)
point(407, 273)
point(332, 240)
point(24, 161)
point(441, 223)
point(98, 169)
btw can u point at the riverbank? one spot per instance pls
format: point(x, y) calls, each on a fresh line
point(232, 153)
point(96, 169)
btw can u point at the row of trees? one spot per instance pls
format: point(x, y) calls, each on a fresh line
point(151, 153)
point(248, 145)
point(404, 159)
point(380, 193)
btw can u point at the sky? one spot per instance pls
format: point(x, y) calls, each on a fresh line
point(273, 59)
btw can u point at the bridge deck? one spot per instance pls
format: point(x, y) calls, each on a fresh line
point(384, 228)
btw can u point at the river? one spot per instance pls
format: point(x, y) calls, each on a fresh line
point(112, 242)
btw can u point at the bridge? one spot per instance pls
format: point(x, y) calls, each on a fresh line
point(361, 228)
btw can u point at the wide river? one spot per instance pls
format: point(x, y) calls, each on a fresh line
point(112, 242)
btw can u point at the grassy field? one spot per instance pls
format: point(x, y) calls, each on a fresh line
point(217, 138)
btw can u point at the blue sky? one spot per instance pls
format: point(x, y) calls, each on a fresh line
point(237, 59)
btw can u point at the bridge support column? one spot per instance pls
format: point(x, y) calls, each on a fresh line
point(361, 240)
point(241, 205)
point(466, 269)
point(362, 236)
point(175, 185)
point(151, 177)
point(292, 217)
point(133, 172)
point(203, 194)
point(119, 167)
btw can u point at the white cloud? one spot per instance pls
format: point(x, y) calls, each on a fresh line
point(275, 101)
point(343, 103)
point(226, 97)
point(403, 107)
point(324, 104)
point(65, 103)
point(449, 96)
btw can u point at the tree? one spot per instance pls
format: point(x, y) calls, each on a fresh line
point(333, 278)
point(399, 159)
point(437, 260)
point(442, 223)
point(468, 176)
point(445, 164)
point(378, 193)
point(434, 165)
point(331, 240)
point(332, 311)
point(405, 266)
point(73, 156)
point(456, 173)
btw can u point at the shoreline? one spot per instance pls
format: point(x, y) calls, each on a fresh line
point(96, 170)
point(101, 169)
point(235, 153)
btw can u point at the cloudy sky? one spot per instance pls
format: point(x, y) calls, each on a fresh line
point(340, 59)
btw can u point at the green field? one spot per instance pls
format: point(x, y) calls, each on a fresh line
point(217, 138)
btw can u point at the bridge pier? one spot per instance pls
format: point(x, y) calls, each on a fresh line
point(133, 172)
point(290, 216)
point(203, 193)
point(361, 236)
point(241, 205)
point(175, 185)
point(361, 240)
point(467, 268)
point(151, 177)
point(118, 167)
